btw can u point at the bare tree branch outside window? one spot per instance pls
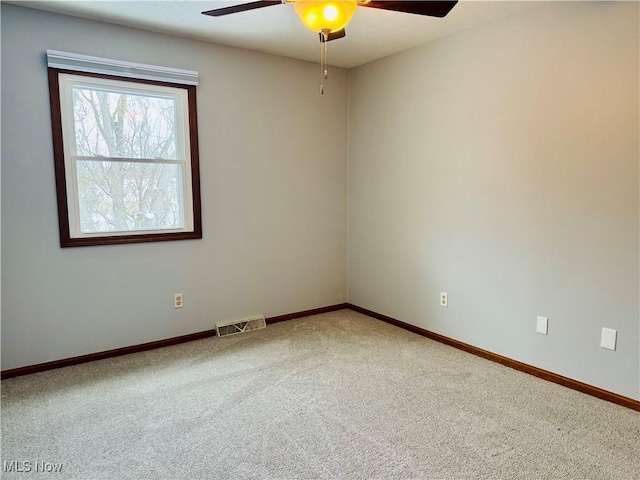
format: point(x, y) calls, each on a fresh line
point(121, 195)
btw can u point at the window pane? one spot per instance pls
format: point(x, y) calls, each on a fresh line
point(116, 124)
point(125, 196)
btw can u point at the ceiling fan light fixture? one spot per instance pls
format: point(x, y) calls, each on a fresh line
point(329, 17)
point(325, 15)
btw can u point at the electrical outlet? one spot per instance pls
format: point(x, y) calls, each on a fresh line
point(542, 325)
point(608, 338)
point(444, 302)
point(178, 300)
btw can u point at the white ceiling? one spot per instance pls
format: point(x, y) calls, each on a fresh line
point(372, 33)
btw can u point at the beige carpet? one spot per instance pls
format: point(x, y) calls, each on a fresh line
point(336, 396)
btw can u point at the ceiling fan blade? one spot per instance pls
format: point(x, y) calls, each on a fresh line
point(333, 35)
point(243, 7)
point(431, 8)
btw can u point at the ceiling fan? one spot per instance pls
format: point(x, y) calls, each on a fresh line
point(330, 17)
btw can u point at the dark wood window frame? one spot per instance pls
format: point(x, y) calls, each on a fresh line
point(61, 179)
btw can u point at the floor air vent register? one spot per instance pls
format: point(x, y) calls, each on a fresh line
point(240, 326)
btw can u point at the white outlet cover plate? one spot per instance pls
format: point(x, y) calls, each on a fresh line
point(444, 299)
point(178, 300)
point(542, 325)
point(608, 338)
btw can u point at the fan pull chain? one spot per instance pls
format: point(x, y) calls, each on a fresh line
point(324, 69)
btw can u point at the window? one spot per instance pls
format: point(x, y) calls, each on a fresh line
point(126, 159)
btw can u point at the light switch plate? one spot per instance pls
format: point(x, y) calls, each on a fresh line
point(542, 325)
point(608, 338)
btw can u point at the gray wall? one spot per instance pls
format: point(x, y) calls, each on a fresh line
point(273, 162)
point(501, 165)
